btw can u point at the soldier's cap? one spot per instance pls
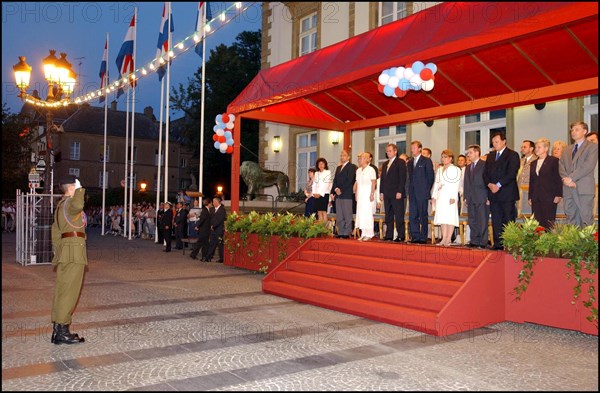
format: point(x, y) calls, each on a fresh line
point(68, 179)
point(169, 203)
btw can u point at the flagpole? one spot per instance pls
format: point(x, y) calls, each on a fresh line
point(133, 85)
point(126, 162)
point(159, 163)
point(167, 96)
point(201, 164)
point(105, 84)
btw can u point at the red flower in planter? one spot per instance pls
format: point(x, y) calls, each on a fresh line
point(596, 236)
point(539, 230)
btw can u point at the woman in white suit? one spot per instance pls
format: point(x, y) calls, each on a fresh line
point(321, 188)
point(444, 196)
point(364, 191)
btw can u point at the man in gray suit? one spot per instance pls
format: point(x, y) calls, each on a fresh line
point(475, 193)
point(576, 168)
point(345, 175)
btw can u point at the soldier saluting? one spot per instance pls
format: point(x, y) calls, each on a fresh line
point(70, 259)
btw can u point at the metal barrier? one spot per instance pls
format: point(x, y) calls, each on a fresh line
point(34, 228)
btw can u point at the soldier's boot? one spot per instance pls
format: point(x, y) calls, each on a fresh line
point(64, 336)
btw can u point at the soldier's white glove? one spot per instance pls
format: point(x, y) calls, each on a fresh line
point(77, 184)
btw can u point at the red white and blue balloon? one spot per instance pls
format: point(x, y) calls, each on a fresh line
point(397, 81)
point(223, 132)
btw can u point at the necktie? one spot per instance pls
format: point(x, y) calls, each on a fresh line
point(574, 151)
point(497, 155)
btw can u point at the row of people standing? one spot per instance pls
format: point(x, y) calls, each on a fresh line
point(206, 224)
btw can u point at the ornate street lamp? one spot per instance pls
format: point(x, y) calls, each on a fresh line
point(59, 75)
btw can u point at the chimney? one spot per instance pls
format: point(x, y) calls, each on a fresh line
point(113, 105)
point(148, 111)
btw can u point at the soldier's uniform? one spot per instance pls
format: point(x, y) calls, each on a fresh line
point(70, 259)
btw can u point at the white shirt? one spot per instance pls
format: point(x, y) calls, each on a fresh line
point(322, 182)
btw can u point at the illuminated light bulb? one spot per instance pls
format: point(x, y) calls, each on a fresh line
point(238, 5)
point(161, 61)
point(207, 27)
point(107, 90)
point(180, 45)
point(222, 16)
point(112, 87)
point(171, 54)
point(151, 66)
point(196, 38)
point(144, 72)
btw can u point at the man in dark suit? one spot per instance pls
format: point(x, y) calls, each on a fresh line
point(545, 184)
point(420, 177)
point(345, 175)
point(500, 175)
point(391, 188)
point(167, 225)
point(576, 166)
point(180, 225)
point(217, 230)
point(202, 229)
point(476, 198)
point(159, 216)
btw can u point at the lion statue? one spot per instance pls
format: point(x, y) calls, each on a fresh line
point(257, 178)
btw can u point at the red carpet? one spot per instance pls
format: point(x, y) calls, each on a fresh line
point(427, 288)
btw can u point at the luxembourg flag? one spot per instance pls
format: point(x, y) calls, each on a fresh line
point(162, 46)
point(201, 21)
point(125, 56)
point(103, 74)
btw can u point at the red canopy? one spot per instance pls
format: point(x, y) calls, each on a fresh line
point(488, 55)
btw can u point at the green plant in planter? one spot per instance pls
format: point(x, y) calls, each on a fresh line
point(269, 224)
point(529, 243)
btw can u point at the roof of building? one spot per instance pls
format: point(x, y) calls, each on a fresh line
point(86, 119)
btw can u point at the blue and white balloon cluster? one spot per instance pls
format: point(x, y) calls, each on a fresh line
point(223, 132)
point(397, 81)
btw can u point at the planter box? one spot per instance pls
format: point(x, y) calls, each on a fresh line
point(549, 296)
point(256, 253)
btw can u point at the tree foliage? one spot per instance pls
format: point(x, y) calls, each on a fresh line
point(229, 69)
point(17, 136)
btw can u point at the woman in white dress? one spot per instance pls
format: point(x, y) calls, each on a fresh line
point(444, 196)
point(364, 191)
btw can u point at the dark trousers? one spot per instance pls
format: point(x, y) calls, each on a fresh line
point(394, 214)
point(479, 215)
point(216, 240)
point(161, 237)
point(200, 246)
point(418, 224)
point(544, 212)
point(309, 208)
point(167, 235)
point(502, 214)
point(179, 235)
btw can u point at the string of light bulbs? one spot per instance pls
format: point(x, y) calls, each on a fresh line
point(152, 66)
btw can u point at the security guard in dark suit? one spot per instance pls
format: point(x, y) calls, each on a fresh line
point(70, 259)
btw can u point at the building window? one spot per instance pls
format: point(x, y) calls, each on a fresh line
point(74, 171)
point(162, 157)
point(184, 162)
point(101, 179)
point(101, 152)
point(479, 127)
point(590, 111)
point(74, 151)
point(134, 176)
point(385, 136)
point(390, 11)
point(156, 183)
point(308, 34)
point(306, 156)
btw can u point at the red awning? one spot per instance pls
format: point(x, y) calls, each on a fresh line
point(488, 55)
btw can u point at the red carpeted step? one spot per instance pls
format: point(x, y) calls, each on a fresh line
point(425, 285)
point(363, 290)
point(456, 256)
point(419, 320)
point(391, 265)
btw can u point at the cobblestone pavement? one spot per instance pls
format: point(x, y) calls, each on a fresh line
point(158, 321)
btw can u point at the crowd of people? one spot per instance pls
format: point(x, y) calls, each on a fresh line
point(488, 185)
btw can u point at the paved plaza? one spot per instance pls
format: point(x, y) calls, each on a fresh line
point(162, 321)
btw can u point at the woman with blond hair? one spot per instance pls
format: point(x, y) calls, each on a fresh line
point(444, 196)
point(557, 148)
point(545, 185)
point(364, 191)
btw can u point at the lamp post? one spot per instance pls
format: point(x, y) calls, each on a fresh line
point(61, 81)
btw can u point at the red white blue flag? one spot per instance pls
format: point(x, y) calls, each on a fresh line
point(162, 46)
point(103, 71)
point(201, 21)
point(125, 56)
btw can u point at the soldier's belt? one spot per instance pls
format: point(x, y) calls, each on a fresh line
point(73, 234)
